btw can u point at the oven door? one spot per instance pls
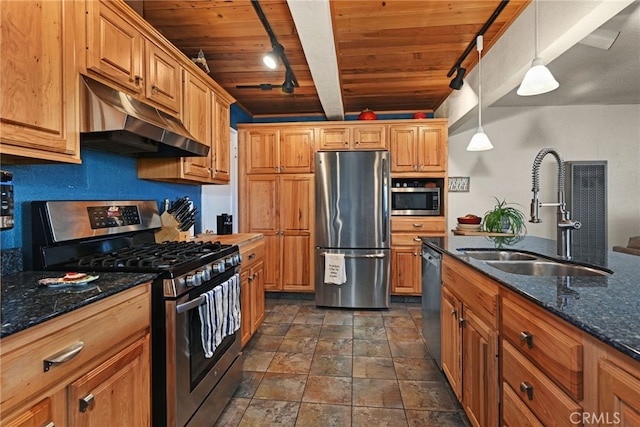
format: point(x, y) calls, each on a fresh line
point(415, 201)
point(190, 376)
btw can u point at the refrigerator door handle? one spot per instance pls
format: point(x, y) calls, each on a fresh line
point(385, 200)
point(358, 256)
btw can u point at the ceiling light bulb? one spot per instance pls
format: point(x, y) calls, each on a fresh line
point(479, 141)
point(538, 80)
point(270, 60)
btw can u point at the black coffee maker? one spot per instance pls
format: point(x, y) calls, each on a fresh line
point(6, 200)
point(225, 224)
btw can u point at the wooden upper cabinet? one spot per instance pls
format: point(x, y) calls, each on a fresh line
point(263, 214)
point(197, 120)
point(296, 150)
point(114, 47)
point(163, 84)
point(39, 91)
point(221, 144)
point(352, 137)
point(117, 52)
point(289, 150)
point(418, 148)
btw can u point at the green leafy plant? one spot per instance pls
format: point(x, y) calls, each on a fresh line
point(505, 218)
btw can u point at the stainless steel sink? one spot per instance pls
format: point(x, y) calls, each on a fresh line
point(545, 268)
point(484, 255)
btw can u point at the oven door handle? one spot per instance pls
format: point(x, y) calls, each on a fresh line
point(190, 305)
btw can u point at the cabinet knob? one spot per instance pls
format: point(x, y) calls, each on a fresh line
point(137, 80)
point(357, 142)
point(454, 312)
point(154, 89)
point(415, 167)
point(527, 337)
point(526, 387)
point(462, 321)
point(421, 167)
point(281, 168)
point(87, 402)
point(415, 254)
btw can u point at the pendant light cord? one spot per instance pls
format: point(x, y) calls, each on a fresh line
point(479, 44)
point(536, 27)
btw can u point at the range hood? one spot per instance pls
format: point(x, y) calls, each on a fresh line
point(114, 121)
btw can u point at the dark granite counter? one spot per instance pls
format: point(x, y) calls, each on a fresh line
point(607, 307)
point(26, 304)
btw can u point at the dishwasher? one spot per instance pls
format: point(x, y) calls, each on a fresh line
point(431, 295)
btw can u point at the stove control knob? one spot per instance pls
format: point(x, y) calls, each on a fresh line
point(206, 273)
point(194, 279)
point(218, 267)
point(229, 262)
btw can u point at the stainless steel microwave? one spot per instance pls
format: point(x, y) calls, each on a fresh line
point(415, 201)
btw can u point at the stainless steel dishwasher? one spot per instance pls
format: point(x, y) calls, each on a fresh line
point(431, 294)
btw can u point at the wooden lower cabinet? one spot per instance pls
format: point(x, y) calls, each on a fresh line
point(450, 311)
point(252, 288)
point(107, 383)
point(406, 270)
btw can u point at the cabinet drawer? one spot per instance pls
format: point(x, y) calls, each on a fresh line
point(420, 225)
point(476, 291)
point(514, 412)
point(546, 400)
point(405, 239)
point(103, 328)
point(251, 253)
point(555, 349)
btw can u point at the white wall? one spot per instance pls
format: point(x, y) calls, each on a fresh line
point(597, 132)
point(219, 199)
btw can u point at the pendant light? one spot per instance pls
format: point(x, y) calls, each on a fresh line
point(538, 79)
point(480, 140)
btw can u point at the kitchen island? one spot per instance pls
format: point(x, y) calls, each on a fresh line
point(564, 350)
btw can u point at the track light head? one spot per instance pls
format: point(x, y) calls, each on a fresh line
point(457, 82)
point(271, 59)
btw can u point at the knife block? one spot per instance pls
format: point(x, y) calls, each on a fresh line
point(170, 231)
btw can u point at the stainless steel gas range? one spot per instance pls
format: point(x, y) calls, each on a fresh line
point(188, 388)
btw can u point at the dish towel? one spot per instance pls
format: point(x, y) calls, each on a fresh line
point(335, 272)
point(219, 314)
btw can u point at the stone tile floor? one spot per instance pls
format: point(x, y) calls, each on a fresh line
point(310, 366)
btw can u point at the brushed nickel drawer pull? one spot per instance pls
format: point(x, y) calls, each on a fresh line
point(252, 256)
point(526, 387)
point(87, 402)
point(527, 337)
point(418, 225)
point(63, 356)
point(417, 239)
point(50, 424)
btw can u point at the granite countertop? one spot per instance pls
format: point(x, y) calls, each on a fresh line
point(603, 306)
point(26, 304)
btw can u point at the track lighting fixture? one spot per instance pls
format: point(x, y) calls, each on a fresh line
point(457, 82)
point(479, 141)
point(538, 79)
point(271, 59)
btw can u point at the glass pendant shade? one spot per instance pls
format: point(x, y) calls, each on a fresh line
point(479, 141)
point(538, 80)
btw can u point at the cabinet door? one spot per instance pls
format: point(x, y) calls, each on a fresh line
point(618, 395)
point(451, 351)
point(296, 202)
point(197, 120)
point(431, 154)
point(262, 151)
point(221, 141)
point(296, 149)
point(116, 393)
point(403, 144)
point(406, 270)
point(114, 47)
point(257, 296)
point(296, 261)
point(163, 83)
point(263, 208)
point(39, 414)
point(480, 371)
point(245, 307)
point(38, 94)
point(273, 261)
point(333, 138)
point(369, 137)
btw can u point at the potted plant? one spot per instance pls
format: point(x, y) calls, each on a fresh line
point(505, 218)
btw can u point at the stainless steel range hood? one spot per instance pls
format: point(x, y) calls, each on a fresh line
point(114, 121)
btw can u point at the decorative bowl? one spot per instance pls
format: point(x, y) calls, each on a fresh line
point(469, 219)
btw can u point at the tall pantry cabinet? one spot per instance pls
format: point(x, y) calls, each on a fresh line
point(277, 200)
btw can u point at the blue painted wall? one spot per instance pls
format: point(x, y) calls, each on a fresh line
point(101, 176)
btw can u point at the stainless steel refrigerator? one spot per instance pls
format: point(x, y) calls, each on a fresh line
point(352, 219)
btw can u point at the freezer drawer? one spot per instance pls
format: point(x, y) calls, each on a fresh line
point(368, 279)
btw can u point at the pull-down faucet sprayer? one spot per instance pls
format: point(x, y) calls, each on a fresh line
point(565, 224)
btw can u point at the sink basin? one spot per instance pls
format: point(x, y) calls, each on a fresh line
point(484, 255)
point(545, 268)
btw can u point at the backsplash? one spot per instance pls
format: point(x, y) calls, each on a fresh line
point(101, 176)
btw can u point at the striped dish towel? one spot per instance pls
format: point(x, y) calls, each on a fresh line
point(219, 314)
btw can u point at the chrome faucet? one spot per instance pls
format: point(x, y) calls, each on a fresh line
point(565, 224)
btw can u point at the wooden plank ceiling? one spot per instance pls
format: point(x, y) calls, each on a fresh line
point(392, 55)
